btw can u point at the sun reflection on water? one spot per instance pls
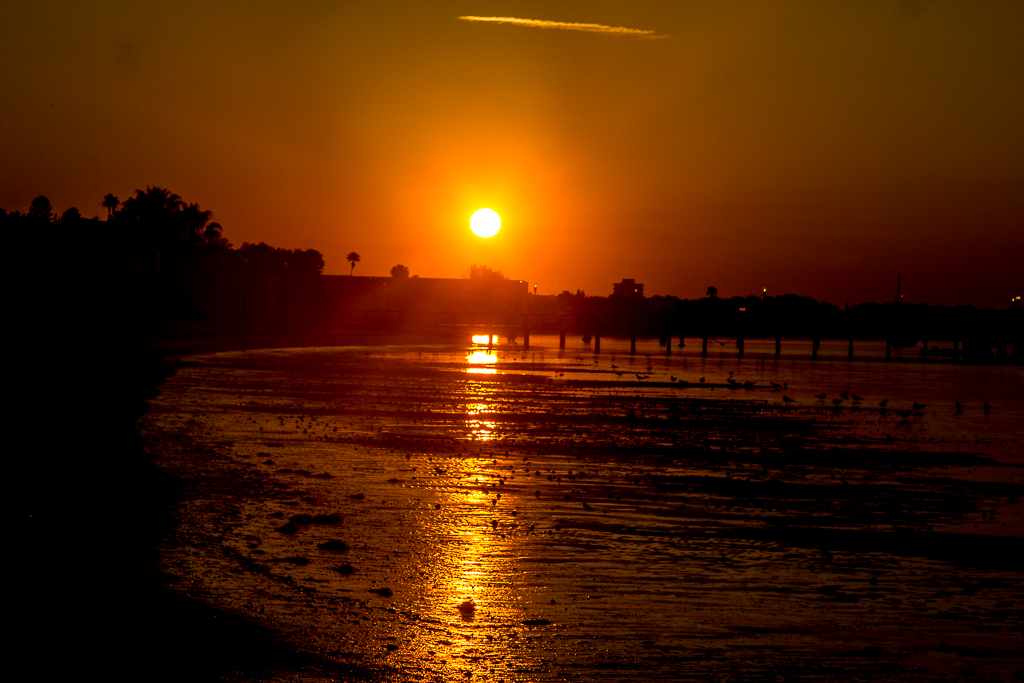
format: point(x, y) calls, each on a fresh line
point(477, 358)
point(479, 428)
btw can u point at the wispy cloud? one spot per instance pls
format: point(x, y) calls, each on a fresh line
point(569, 26)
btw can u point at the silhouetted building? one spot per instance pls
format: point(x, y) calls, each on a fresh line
point(294, 296)
point(628, 289)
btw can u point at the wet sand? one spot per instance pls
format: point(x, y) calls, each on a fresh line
point(604, 529)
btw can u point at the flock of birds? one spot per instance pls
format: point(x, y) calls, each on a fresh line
point(905, 413)
point(855, 400)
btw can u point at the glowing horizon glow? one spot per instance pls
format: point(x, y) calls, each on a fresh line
point(485, 223)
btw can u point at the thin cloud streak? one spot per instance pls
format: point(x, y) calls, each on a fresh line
point(569, 26)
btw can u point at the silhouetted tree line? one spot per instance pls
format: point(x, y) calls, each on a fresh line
point(135, 263)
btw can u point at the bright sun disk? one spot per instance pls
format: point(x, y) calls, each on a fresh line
point(485, 223)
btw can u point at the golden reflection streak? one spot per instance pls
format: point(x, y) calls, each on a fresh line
point(481, 358)
point(475, 567)
point(479, 429)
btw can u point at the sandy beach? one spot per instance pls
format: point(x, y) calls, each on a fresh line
point(350, 500)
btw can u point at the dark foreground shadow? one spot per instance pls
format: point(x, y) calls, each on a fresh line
point(86, 515)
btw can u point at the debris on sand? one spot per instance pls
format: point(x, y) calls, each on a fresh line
point(288, 528)
point(536, 622)
point(297, 560)
point(384, 592)
point(468, 606)
point(345, 569)
point(339, 546)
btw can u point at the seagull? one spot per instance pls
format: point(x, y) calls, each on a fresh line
point(836, 401)
point(986, 406)
point(821, 397)
point(672, 377)
point(883, 402)
point(959, 406)
point(774, 385)
point(918, 406)
point(702, 380)
point(905, 413)
point(787, 399)
point(856, 398)
point(845, 394)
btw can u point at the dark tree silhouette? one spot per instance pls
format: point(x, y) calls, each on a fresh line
point(110, 203)
point(485, 273)
point(400, 271)
point(352, 258)
point(168, 234)
point(40, 211)
point(263, 259)
point(69, 218)
point(712, 291)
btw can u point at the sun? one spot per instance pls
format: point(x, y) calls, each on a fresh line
point(485, 223)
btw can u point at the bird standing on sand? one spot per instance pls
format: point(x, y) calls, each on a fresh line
point(836, 401)
point(918, 406)
point(820, 397)
point(883, 402)
point(959, 407)
point(787, 399)
point(702, 380)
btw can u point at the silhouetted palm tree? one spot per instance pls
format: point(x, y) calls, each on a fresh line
point(400, 271)
point(352, 258)
point(110, 202)
point(712, 291)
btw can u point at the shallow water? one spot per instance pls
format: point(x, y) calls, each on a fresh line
point(607, 527)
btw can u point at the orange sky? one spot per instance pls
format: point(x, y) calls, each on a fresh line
point(818, 148)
